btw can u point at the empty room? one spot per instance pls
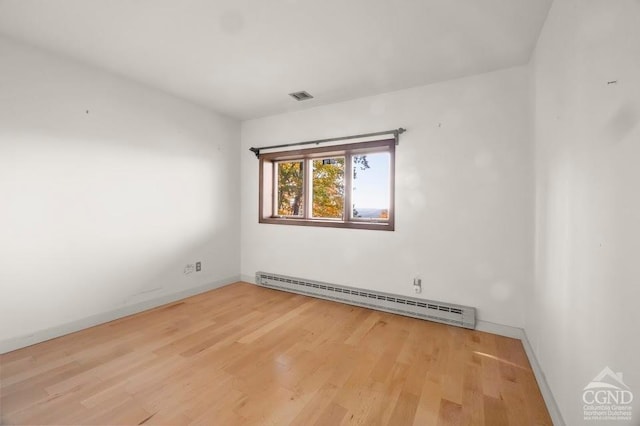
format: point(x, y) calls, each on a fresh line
point(297, 212)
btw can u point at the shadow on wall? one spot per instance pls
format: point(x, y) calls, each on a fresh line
point(95, 276)
point(62, 99)
point(96, 224)
point(621, 124)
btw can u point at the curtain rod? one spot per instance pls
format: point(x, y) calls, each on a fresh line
point(395, 132)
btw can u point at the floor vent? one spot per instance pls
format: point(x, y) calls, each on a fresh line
point(447, 313)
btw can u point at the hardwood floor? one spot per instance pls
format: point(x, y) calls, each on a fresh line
point(243, 354)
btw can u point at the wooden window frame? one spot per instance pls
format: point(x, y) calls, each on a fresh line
point(267, 191)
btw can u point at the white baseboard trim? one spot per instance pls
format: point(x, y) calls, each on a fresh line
point(500, 329)
point(552, 405)
point(520, 334)
point(19, 342)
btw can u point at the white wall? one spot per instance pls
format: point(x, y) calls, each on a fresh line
point(464, 196)
point(107, 190)
point(584, 312)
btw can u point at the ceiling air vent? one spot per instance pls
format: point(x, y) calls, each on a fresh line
point(300, 96)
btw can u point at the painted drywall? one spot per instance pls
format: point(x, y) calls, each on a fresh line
point(582, 312)
point(243, 57)
point(464, 196)
point(108, 190)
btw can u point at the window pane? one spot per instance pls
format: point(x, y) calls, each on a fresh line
point(371, 186)
point(290, 199)
point(328, 188)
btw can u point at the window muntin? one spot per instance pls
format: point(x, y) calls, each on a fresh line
point(322, 186)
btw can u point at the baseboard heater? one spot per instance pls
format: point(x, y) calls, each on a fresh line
point(447, 313)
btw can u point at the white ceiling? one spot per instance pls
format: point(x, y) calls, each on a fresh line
point(242, 57)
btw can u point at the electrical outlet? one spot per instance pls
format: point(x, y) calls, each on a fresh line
point(189, 269)
point(198, 266)
point(417, 285)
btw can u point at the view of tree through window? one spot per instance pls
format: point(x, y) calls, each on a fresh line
point(290, 176)
point(328, 188)
point(342, 186)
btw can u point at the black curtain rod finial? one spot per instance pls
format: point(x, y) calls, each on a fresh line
point(256, 151)
point(397, 133)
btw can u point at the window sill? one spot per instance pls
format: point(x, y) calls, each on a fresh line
point(377, 226)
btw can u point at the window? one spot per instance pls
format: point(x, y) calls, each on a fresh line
point(343, 186)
